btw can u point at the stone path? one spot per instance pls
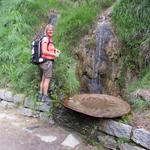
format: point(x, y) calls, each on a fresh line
point(24, 133)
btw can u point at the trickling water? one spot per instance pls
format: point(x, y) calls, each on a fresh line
point(103, 35)
point(95, 66)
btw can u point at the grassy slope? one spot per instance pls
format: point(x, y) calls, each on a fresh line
point(131, 20)
point(20, 21)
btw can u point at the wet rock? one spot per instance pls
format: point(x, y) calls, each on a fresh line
point(142, 137)
point(127, 146)
point(115, 128)
point(98, 105)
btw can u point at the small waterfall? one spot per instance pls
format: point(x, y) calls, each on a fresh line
point(95, 58)
point(103, 35)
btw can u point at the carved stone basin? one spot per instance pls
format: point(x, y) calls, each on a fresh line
point(98, 105)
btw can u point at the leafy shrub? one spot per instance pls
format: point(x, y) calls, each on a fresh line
point(131, 20)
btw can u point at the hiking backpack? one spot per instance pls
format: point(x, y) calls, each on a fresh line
point(37, 52)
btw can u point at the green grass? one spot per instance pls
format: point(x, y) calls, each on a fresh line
point(139, 105)
point(142, 83)
point(127, 119)
point(20, 21)
point(131, 21)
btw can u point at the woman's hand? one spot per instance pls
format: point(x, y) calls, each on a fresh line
point(57, 52)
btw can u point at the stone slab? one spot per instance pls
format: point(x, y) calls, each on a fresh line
point(115, 128)
point(28, 112)
point(8, 96)
point(126, 146)
point(142, 137)
point(98, 105)
point(70, 141)
point(19, 98)
point(107, 141)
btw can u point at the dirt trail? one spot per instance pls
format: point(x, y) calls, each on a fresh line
point(24, 133)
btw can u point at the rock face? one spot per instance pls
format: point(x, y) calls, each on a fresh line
point(97, 59)
point(98, 105)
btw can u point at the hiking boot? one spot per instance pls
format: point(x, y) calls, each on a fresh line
point(46, 99)
point(39, 97)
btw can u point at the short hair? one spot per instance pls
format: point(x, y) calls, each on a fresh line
point(47, 27)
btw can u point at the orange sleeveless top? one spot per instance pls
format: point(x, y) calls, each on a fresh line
point(49, 47)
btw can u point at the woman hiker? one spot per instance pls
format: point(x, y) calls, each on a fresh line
point(49, 53)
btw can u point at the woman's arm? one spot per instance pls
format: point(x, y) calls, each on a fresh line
point(44, 46)
point(53, 51)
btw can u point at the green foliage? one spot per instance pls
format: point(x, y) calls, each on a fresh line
point(75, 23)
point(126, 119)
point(121, 80)
point(131, 20)
point(139, 105)
point(122, 140)
point(143, 81)
point(16, 29)
point(131, 16)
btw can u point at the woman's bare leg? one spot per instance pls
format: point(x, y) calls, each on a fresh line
point(41, 85)
point(46, 86)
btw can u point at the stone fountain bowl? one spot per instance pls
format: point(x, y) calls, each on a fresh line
point(98, 105)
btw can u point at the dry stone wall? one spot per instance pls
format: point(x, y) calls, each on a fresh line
point(25, 105)
point(136, 136)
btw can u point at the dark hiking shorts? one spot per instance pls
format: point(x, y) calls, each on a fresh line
point(47, 68)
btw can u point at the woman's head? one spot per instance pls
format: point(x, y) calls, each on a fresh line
point(49, 30)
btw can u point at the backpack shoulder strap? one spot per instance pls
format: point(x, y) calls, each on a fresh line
point(49, 41)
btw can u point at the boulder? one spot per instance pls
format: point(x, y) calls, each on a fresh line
point(98, 105)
